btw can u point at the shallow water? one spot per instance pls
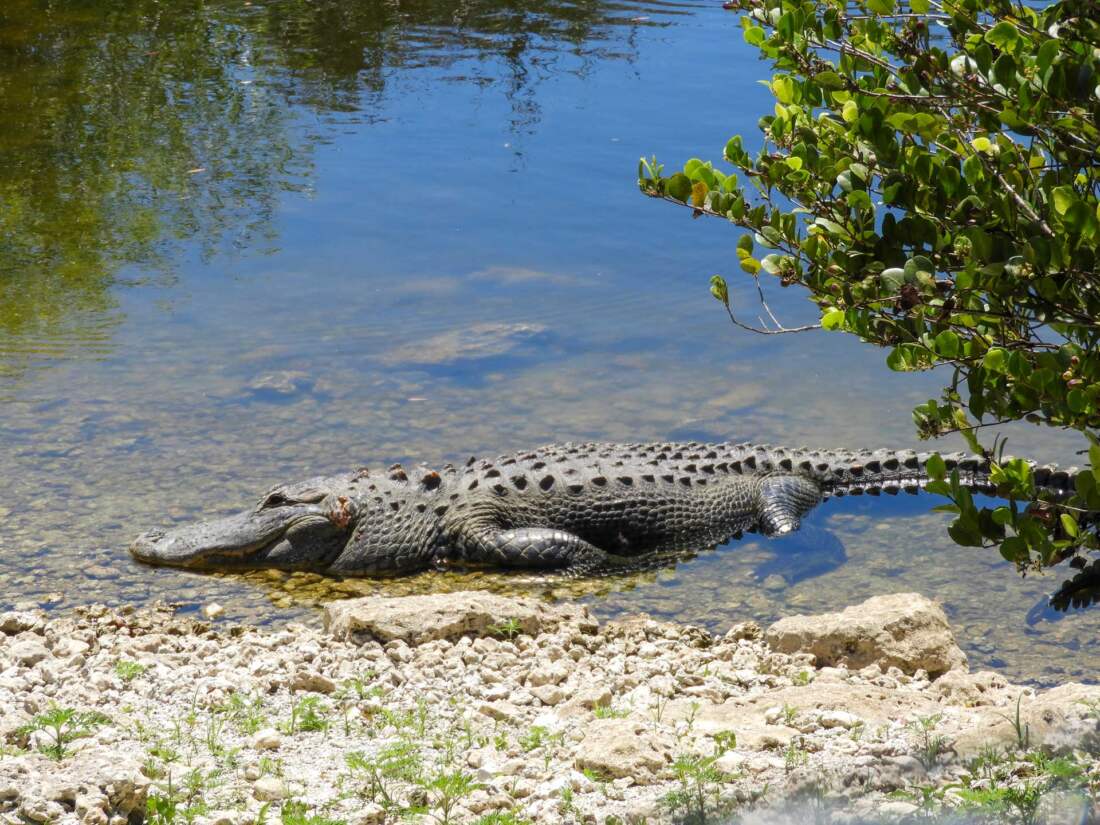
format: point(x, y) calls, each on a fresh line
point(246, 244)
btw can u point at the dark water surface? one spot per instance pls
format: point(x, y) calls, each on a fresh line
point(247, 243)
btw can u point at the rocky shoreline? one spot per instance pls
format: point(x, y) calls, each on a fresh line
point(478, 708)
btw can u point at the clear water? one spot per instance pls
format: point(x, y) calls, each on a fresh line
point(241, 244)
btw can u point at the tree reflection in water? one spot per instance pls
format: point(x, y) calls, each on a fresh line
point(131, 127)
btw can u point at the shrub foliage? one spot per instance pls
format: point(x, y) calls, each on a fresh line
point(930, 175)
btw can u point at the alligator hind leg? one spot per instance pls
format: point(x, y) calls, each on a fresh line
point(783, 501)
point(546, 549)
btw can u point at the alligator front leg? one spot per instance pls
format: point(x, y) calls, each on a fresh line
point(541, 548)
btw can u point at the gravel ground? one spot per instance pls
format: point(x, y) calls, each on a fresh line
point(540, 715)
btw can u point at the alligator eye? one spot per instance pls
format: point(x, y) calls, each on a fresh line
point(274, 499)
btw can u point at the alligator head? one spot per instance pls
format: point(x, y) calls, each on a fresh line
point(295, 526)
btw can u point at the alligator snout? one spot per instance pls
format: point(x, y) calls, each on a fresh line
point(159, 547)
point(287, 535)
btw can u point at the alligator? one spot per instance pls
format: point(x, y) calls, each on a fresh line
point(571, 508)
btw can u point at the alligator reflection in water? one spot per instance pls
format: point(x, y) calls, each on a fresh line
point(127, 132)
point(795, 558)
point(807, 554)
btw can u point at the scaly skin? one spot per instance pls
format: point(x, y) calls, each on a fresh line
point(575, 508)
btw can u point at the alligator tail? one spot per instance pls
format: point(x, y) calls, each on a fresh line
point(893, 471)
point(885, 471)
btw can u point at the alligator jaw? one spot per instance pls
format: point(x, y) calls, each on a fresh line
point(249, 539)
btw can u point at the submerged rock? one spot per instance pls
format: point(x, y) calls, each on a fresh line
point(904, 630)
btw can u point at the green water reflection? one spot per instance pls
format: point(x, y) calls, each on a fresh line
point(131, 127)
point(242, 244)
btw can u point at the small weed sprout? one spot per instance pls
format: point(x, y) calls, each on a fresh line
point(127, 671)
point(506, 629)
point(794, 756)
point(398, 762)
point(724, 741)
point(790, 714)
point(659, 708)
point(930, 743)
point(608, 712)
point(502, 818)
point(63, 726)
point(295, 812)
point(566, 804)
point(1023, 730)
point(535, 737)
point(446, 789)
point(269, 766)
point(307, 714)
point(699, 782)
point(246, 714)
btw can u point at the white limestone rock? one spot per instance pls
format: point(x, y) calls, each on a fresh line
point(904, 630)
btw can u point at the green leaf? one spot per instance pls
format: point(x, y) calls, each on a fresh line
point(1004, 35)
point(995, 360)
point(832, 319)
point(947, 344)
point(881, 6)
point(1077, 401)
point(679, 187)
point(755, 36)
point(850, 112)
point(939, 488)
point(1064, 197)
point(1014, 549)
point(973, 170)
point(750, 265)
point(744, 246)
point(1047, 52)
point(1069, 524)
point(966, 430)
point(784, 89)
point(964, 531)
point(829, 80)
point(772, 264)
point(1079, 219)
point(892, 279)
point(1004, 70)
point(920, 6)
point(935, 467)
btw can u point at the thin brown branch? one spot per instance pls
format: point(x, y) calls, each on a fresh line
point(764, 330)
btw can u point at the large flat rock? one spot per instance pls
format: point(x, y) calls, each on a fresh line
point(903, 630)
point(618, 748)
point(1060, 720)
point(419, 619)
